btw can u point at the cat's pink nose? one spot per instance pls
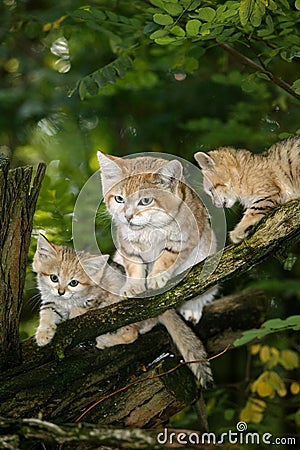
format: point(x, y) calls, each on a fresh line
point(61, 291)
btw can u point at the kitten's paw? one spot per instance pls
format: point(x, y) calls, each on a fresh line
point(191, 315)
point(124, 335)
point(238, 235)
point(44, 335)
point(104, 341)
point(132, 288)
point(157, 281)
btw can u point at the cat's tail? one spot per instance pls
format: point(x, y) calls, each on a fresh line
point(189, 345)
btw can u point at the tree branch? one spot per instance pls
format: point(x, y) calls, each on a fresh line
point(273, 233)
point(13, 431)
point(258, 68)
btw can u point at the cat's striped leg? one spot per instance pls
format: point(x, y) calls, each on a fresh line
point(253, 215)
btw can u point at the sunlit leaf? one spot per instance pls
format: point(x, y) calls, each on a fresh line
point(289, 359)
point(177, 31)
point(163, 19)
point(192, 27)
point(172, 8)
point(208, 14)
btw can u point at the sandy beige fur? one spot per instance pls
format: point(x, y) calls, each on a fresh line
point(60, 300)
point(58, 267)
point(259, 182)
point(165, 236)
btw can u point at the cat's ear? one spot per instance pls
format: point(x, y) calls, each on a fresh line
point(94, 266)
point(204, 160)
point(172, 170)
point(111, 172)
point(45, 249)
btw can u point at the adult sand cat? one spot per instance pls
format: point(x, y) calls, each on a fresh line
point(259, 182)
point(162, 227)
point(70, 284)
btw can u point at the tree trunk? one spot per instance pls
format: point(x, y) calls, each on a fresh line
point(18, 197)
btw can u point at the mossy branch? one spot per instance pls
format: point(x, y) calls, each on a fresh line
point(272, 234)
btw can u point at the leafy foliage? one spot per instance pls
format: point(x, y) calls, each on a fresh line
point(270, 326)
point(270, 383)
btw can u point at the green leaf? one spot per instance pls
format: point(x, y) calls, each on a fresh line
point(258, 13)
point(208, 14)
point(245, 11)
point(192, 27)
point(270, 326)
point(177, 31)
point(296, 86)
point(158, 34)
point(163, 19)
point(165, 40)
point(297, 4)
point(158, 3)
point(172, 8)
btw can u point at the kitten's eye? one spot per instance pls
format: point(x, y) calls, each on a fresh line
point(119, 199)
point(54, 278)
point(145, 201)
point(73, 283)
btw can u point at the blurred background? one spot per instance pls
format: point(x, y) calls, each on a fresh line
point(153, 76)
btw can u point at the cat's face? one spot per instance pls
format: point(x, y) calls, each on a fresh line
point(219, 173)
point(137, 200)
point(61, 274)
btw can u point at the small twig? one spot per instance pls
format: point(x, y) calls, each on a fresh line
point(258, 68)
point(150, 377)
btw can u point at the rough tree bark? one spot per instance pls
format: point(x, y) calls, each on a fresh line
point(69, 380)
point(18, 197)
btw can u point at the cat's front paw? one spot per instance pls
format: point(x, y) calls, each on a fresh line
point(44, 335)
point(132, 288)
point(124, 335)
point(238, 235)
point(157, 281)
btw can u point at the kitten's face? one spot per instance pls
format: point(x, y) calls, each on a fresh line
point(141, 199)
point(60, 272)
point(218, 177)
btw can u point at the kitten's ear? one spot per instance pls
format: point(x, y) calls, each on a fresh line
point(94, 266)
point(111, 172)
point(204, 160)
point(45, 251)
point(172, 170)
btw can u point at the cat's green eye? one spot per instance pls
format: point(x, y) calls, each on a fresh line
point(73, 283)
point(54, 278)
point(145, 201)
point(119, 199)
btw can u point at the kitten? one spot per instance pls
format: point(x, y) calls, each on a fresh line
point(162, 227)
point(260, 182)
point(70, 285)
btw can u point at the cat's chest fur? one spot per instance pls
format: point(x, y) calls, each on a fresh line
point(150, 242)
